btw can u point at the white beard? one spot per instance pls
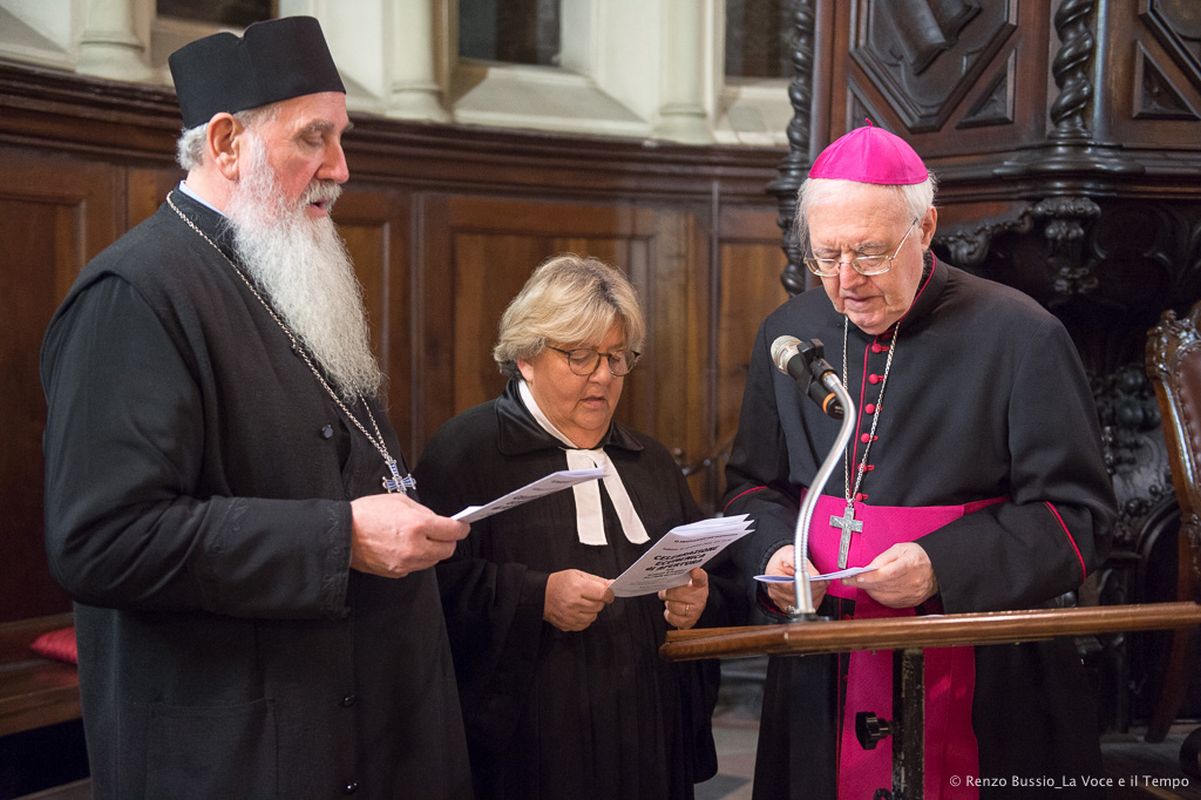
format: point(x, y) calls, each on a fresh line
point(302, 267)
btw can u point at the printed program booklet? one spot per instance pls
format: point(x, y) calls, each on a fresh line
point(670, 559)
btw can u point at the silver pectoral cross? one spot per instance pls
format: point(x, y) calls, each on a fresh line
point(849, 525)
point(396, 483)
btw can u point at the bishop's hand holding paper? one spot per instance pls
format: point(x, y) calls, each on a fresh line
point(783, 595)
point(900, 577)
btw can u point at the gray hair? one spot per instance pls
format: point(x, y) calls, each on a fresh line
point(189, 149)
point(916, 199)
point(569, 299)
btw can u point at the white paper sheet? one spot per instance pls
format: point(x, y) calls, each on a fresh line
point(548, 484)
point(669, 560)
point(849, 572)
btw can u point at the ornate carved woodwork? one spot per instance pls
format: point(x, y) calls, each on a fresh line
point(794, 166)
point(900, 47)
point(1135, 451)
point(1173, 364)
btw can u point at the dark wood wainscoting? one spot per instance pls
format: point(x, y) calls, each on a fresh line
point(445, 223)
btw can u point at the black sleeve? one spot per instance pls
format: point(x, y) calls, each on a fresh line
point(1055, 527)
point(757, 475)
point(493, 610)
point(124, 449)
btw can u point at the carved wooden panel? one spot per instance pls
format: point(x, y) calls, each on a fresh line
point(374, 222)
point(946, 74)
point(1155, 75)
point(749, 261)
point(925, 55)
point(55, 214)
point(145, 188)
point(1177, 24)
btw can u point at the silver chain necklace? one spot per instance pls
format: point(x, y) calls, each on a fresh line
point(394, 482)
point(847, 522)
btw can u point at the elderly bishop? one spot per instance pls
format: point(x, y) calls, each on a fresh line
point(974, 482)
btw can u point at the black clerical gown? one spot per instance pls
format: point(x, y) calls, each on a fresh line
point(551, 714)
point(986, 398)
point(197, 488)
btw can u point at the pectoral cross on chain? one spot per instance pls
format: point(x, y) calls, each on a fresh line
point(849, 525)
point(396, 483)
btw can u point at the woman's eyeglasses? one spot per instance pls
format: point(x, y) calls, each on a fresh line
point(584, 360)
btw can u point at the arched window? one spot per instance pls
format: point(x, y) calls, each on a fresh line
point(759, 38)
point(510, 31)
point(232, 13)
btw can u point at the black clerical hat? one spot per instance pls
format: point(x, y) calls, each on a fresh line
point(273, 60)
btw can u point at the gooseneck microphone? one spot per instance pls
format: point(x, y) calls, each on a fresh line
point(804, 361)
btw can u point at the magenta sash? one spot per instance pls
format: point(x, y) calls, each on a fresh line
point(950, 672)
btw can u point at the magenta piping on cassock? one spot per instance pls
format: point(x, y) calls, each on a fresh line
point(1071, 539)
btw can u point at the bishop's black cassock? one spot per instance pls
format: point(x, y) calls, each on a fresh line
point(986, 400)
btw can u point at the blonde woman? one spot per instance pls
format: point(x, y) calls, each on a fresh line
point(563, 691)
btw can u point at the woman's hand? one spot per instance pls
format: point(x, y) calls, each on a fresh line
point(784, 594)
point(682, 605)
point(574, 599)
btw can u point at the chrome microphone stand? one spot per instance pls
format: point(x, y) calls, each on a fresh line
point(804, 609)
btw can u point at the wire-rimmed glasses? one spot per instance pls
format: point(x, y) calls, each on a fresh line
point(864, 265)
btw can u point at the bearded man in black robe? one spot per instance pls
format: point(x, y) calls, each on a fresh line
point(974, 482)
point(256, 617)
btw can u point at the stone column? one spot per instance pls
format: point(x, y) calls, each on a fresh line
point(411, 50)
point(110, 47)
point(683, 116)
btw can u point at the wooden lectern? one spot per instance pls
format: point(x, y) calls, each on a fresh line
point(908, 637)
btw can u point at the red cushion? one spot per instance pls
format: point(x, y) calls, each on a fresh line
point(59, 645)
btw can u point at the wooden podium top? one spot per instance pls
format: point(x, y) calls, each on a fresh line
point(942, 630)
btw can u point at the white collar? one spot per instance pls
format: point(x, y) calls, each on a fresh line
point(185, 189)
point(589, 520)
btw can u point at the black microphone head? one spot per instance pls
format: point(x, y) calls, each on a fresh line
point(783, 350)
